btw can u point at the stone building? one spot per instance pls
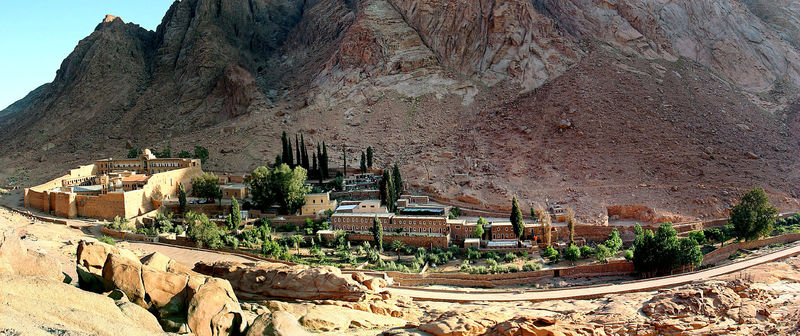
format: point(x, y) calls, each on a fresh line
point(317, 203)
point(109, 188)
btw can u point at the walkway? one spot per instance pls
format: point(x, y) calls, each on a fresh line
point(185, 255)
point(590, 291)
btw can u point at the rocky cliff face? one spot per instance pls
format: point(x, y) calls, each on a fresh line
point(439, 81)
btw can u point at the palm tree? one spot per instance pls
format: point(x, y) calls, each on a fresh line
point(296, 240)
point(398, 246)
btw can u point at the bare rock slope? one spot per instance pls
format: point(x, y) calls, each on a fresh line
point(498, 91)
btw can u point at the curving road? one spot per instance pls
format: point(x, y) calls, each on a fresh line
point(590, 291)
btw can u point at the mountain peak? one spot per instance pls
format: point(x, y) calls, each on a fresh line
point(110, 18)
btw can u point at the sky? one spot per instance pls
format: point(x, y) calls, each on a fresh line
point(36, 35)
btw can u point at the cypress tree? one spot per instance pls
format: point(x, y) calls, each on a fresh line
point(297, 151)
point(397, 180)
point(304, 152)
point(278, 161)
point(314, 163)
point(516, 218)
point(290, 157)
point(363, 163)
point(285, 148)
point(387, 190)
point(377, 233)
point(369, 156)
point(181, 198)
point(236, 216)
point(324, 165)
point(344, 160)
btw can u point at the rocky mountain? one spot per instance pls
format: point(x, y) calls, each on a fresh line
point(677, 106)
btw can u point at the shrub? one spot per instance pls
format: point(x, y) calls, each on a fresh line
point(492, 255)
point(572, 253)
point(551, 254)
point(602, 253)
point(120, 224)
point(614, 241)
point(491, 262)
point(509, 257)
point(473, 254)
point(698, 236)
point(106, 239)
point(513, 269)
point(587, 251)
point(531, 266)
point(629, 255)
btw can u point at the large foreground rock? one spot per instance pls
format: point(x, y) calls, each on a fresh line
point(214, 310)
point(283, 281)
point(93, 255)
point(279, 323)
point(16, 259)
point(35, 305)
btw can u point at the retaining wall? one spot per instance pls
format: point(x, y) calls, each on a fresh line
point(411, 240)
point(724, 252)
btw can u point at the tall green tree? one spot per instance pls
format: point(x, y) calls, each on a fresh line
point(397, 180)
point(479, 231)
point(369, 156)
point(288, 187)
point(754, 216)
point(387, 190)
point(134, 153)
point(236, 215)
point(377, 233)
point(663, 251)
point(278, 161)
point(326, 173)
point(201, 153)
point(363, 163)
point(571, 221)
point(344, 160)
point(298, 156)
point(181, 198)
point(304, 152)
point(286, 152)
point(206, 186)
point(260, 189)
point(614, 241)
point(516, 218)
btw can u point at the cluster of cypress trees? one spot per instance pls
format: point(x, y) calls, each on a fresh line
point(366, 160)
point(318, 165)
point(391, 187)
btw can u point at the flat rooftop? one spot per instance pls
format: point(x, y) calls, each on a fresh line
point(423, 211)
point(90, 188)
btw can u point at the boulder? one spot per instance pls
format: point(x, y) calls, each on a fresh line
point(16, 259)
point(333, 318)
point(126, 274)
point(284, 281)
point(93, 255)
point(524, 325)
point(279, 323)
point(214, 310)
point(456, 323)
point(163, 263)
point(167, 291)
point(36, 305)
point(375, 284)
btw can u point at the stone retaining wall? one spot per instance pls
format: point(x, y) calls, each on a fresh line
point(428, 242)
point(724, 252)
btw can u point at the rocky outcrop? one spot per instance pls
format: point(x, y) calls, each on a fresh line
point(330, 318)
point(279, 323)
point(492, 41)
point(176, 295)
point(16, 259)
point(723, 35)
point(29, 305)
point(282, 281)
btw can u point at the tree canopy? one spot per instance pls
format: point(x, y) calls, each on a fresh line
point(206, 186)
point(753, 217)
point(282, 185)
point(516, 218)
point(662, 252)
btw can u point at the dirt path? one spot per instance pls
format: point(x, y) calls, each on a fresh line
point(594, 291)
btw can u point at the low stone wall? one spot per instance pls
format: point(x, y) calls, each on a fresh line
point(724, 252)
point(510, 279)
point(428, 242)
point(31, 215)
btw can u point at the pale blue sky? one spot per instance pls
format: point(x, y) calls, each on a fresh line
point(36, 35)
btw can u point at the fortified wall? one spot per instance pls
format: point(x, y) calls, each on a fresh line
point(48, 198)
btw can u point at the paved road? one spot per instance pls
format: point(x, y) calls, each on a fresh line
point(595, 291)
